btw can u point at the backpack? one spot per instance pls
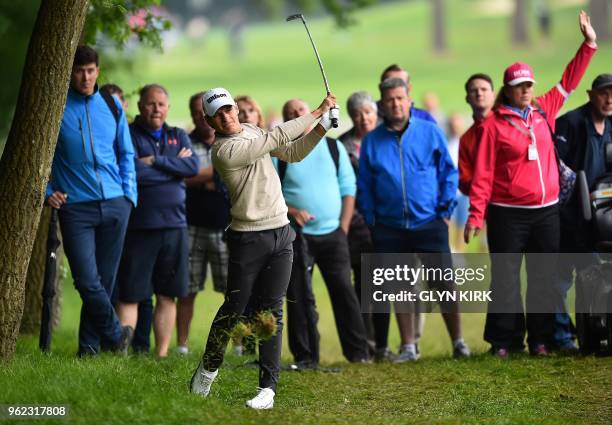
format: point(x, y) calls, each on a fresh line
point(333, 150)
point(567, 176)
point(108, 98)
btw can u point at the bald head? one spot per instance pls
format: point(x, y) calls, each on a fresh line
point(295, 108)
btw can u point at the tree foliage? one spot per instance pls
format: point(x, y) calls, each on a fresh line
point(117, 20)
point(111, 20)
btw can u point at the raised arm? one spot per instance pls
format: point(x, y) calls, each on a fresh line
point(553, 100)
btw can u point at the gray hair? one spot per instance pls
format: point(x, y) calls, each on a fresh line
point(358, 100)
point(146, 89)
point(391, 83)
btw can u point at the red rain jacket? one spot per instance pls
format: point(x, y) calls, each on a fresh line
point(503, 174)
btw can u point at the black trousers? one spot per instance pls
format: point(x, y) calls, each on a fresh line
point(258, 272)
point(331, 254)
point(360, 242)
point(517, 231)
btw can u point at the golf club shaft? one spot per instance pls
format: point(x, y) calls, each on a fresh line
point(317, 55)
point(334, 111)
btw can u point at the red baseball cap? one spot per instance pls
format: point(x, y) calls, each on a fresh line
point(518, 73)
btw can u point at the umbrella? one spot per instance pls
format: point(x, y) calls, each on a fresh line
point(48, 291)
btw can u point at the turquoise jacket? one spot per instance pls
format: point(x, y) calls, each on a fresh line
point(315, 185)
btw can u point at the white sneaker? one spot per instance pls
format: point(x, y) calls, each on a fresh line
point(461, 350)
point(263, 400)
point(407, 354)
point(182, 349)
point(202, 380)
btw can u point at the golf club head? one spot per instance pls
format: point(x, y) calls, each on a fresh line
point(294, 17)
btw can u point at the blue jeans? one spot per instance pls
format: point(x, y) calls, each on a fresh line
point(92, 234)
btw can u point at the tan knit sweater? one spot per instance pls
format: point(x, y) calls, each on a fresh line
point(244, 162)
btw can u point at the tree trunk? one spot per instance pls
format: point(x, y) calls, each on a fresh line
point(32, 311)
point(26, 162)
point(520, 35)
point(600, 18)
point(439, 25)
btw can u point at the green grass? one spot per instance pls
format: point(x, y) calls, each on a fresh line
point(142, 389)
point(278, 63)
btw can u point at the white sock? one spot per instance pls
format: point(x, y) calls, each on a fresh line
point(408, 347)
point(457, 342)
point(182, 349)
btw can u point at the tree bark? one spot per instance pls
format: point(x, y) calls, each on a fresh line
point(520, 35)
point(26, 162)
point(439, 25)
point(600, 18)
point(32, 311)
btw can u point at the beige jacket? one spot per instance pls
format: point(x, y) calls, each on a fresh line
point(244, 162)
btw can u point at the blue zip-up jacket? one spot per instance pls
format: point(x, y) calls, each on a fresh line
point(94, 157)
point(161, 189)
point(408, 190)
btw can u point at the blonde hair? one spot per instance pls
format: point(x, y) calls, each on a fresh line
point(255, 105)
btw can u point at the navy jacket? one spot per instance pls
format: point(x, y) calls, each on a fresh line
point(161, 190)
point(572, 133)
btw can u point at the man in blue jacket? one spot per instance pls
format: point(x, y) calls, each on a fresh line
point(156, 250)
point(320, 196)
point(93, 185)
point(407, 185)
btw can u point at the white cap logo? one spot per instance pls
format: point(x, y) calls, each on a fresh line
point(214, 99)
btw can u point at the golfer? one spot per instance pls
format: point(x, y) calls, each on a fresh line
point(259, 237)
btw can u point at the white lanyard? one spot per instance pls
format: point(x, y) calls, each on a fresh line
point(532, 153)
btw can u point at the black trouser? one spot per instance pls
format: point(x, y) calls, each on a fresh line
point(360, 242)
point(330, 253)
point(520, 230)
point(259, 270)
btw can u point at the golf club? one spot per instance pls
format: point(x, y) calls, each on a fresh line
point(333, 111)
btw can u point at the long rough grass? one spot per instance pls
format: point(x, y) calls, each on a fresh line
point(437, 389)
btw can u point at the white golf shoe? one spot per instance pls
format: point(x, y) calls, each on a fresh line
point(202, 380)
point(263, 400)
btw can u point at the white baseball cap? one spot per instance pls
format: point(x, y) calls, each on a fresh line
point(214, 99)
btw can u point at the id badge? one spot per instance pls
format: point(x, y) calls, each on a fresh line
point(532, 154)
